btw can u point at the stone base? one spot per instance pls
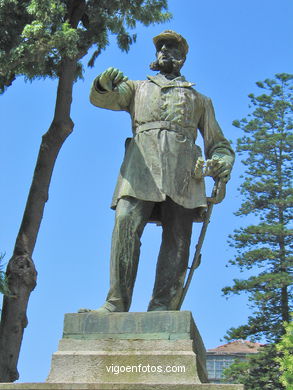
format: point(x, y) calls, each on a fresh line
point(124, 361)
point(94, 341)
point(139, 348)
point(114, 386)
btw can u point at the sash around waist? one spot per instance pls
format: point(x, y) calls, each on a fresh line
point(166, 125)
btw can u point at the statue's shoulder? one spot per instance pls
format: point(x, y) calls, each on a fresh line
point(195, 91)
point(205, 99)
point(139, 83)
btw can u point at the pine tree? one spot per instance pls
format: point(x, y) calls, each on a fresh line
point(49, 38)
point(264, 247)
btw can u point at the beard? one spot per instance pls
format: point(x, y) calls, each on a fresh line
point(166, 65)
point(169, 65)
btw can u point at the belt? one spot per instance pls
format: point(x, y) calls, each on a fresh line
point(167, 125)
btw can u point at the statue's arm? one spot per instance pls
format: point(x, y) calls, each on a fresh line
point(112, 90)
point(218, 150)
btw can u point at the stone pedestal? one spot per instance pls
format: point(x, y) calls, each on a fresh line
point(131, 348)
point(128, 351)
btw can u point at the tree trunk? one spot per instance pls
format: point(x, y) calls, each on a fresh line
point(285, 309)
point(21, 271)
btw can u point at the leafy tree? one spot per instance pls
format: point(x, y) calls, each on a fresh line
point(285, 348)
point(13, 18)
point(48, 38)
point(260, 372)
point(271, 369)
point(264, 247)
point(237, 372)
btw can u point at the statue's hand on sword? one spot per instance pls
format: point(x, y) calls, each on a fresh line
point(218, 167)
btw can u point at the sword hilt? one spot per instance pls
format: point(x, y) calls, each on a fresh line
point(218, 192)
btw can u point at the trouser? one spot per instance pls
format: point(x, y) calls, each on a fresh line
point(131, 217)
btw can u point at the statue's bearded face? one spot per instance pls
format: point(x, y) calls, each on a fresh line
point(169, 57)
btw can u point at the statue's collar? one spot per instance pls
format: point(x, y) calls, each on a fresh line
point(162, 81)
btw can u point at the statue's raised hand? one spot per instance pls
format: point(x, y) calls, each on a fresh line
point(111, 78)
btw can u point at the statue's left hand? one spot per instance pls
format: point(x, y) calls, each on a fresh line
point(219, 167)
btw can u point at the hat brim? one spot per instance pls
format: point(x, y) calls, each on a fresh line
point(165, 35)
point(169, 35)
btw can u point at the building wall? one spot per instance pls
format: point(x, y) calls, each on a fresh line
point(220, 358)
point(216, 364)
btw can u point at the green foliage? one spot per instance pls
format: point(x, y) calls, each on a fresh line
point(236, 372)
point(271, 369)
point(36, 35)
point(13, 18)
point(260, 372)
point(3, 281)
point(264, 248)
point(285, 348)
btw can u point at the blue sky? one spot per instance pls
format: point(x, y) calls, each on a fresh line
point(233, 44)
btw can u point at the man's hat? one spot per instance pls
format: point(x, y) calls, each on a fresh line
point(169, 34)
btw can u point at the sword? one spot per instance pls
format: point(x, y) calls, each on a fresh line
point(218, 194)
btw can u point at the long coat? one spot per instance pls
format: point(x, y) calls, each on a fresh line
point(161, 157)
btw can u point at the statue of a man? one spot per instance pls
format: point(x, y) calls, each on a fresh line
point(157, 179)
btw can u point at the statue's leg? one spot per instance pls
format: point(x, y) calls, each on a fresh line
point(131, 217)
point(173, 257)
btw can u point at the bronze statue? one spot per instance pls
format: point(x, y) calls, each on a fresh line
point(158, 180)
